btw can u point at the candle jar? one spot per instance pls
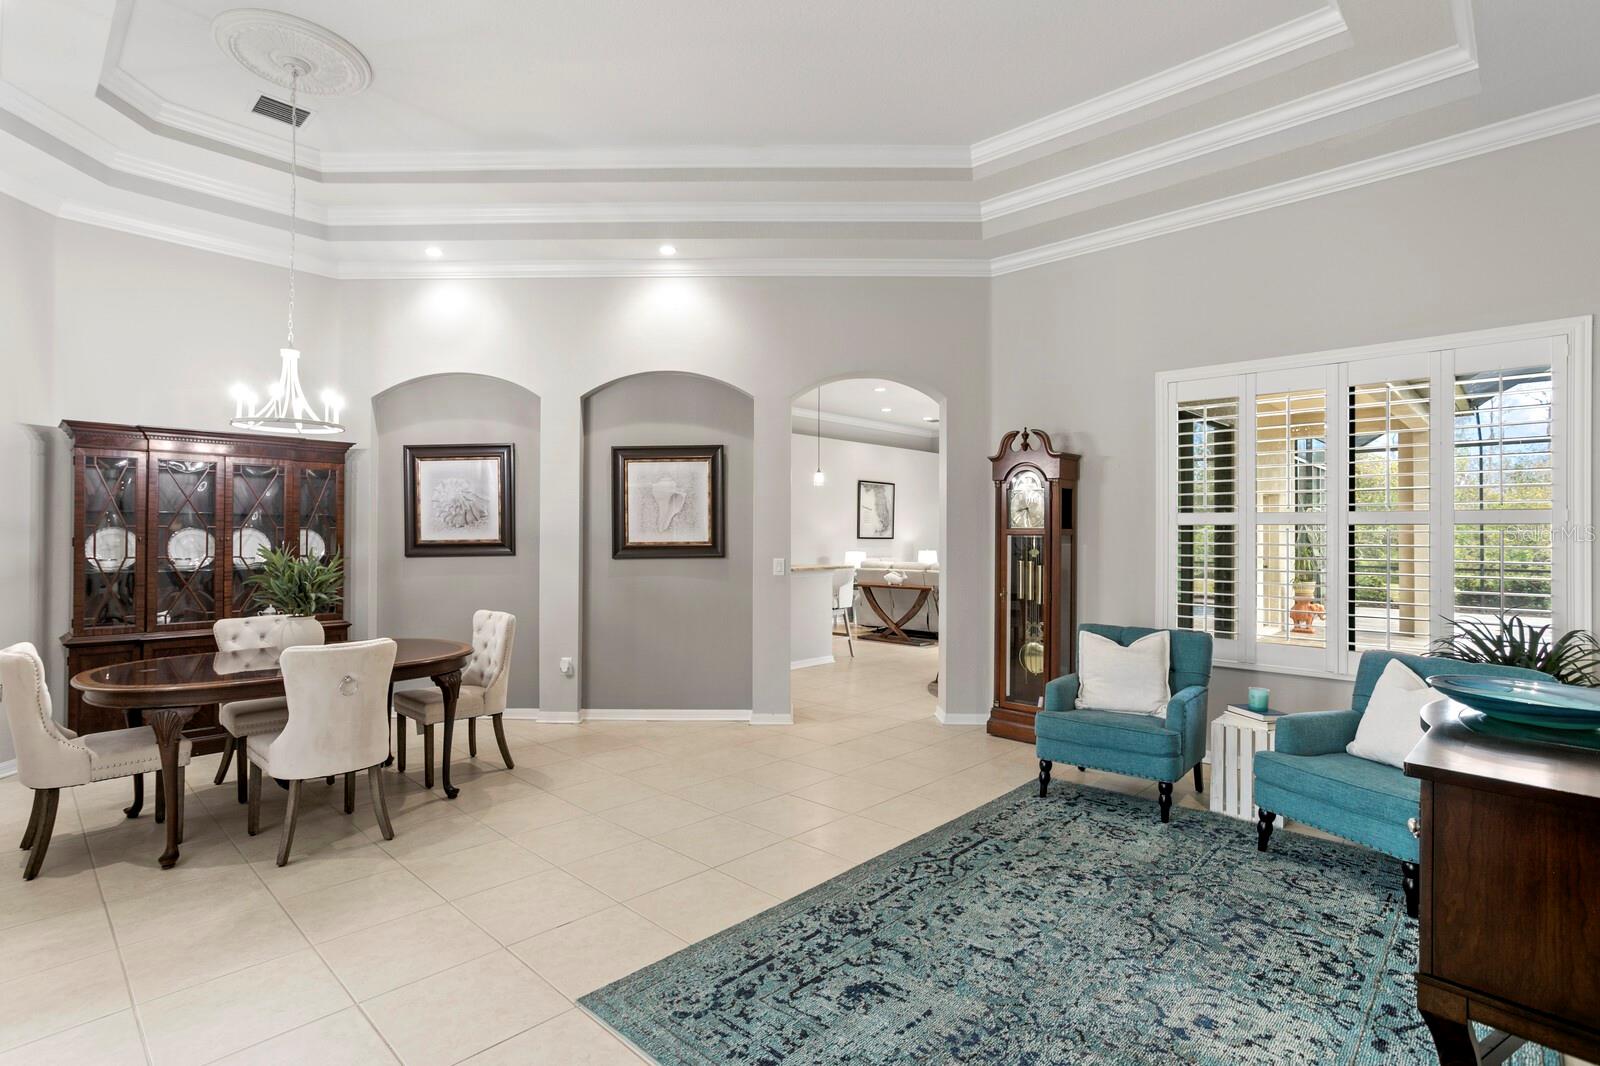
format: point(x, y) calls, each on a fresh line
point(1258, 699)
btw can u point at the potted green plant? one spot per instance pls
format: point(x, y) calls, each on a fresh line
point(298, 587)
point(1306, 608)
point(1573, 658)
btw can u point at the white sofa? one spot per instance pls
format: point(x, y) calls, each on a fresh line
point(900, 600)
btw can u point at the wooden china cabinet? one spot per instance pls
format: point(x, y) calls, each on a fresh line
point(1036, 576)
point(166, 525)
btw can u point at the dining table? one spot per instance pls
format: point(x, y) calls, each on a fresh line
point(166, 692)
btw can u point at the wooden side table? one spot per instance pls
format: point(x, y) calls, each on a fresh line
point(1235, 739)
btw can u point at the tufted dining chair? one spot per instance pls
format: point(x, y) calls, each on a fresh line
point(51, 757)
point(245, 718)
point(336, 722)
point(484, 683)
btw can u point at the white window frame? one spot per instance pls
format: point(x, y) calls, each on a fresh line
point(1570, 343)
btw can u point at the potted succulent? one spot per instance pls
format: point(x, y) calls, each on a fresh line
point(298, 587)
point(1573, 658)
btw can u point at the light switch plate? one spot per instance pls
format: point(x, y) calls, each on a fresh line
point(777, 567)
point(566, 666)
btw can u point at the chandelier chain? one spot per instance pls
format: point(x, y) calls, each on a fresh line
point(294, 167)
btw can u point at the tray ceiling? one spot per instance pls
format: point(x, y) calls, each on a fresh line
point(870, 137)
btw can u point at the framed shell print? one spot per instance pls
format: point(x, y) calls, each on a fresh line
point(667, 501)
point(460, 499)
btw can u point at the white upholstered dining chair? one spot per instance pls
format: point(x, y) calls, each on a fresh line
point(337, 723)
point(844, 608)
point(51, 757)
point(246, 718)
point(484, 682)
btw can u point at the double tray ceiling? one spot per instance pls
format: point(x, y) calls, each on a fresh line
point(857, 137)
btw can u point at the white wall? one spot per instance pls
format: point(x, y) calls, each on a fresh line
point(1501, 239)
point(822, 521)
point(436, 596)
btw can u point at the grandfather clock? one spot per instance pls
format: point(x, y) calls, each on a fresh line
point(1036, 576)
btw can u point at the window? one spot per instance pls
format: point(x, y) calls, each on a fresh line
point(1381, 493)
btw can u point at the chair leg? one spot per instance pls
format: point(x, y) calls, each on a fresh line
point(350, 793)
point(244, 774)
point(380, 801)
point(222, 767)
point(33, 820)
point(850, 633)
point(1164, 799)
point(1410, 882)
point(181, 804)
point(427, 757)
point(472, 738)
point(1199, 779)
point(289, 816)
point(400, 721)
point(132, 810)
point(1264, 820)
point(161, 800)
point(1044, 777)
point(47, 826)
point(252, 818)
point(500, 739)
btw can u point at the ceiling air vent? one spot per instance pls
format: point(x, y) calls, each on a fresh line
point(279, 110)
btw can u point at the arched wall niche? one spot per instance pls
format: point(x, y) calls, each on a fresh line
point(668, 635)
point(436, 596)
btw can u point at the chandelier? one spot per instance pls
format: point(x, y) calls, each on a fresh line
point(286, 409)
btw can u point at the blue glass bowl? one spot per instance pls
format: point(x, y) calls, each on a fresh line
point(1545, 704)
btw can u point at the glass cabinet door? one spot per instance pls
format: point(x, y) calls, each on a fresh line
point(185, 577)
point(259, 516)
point(1025, 619)
point(319, 512)
point(110, 541)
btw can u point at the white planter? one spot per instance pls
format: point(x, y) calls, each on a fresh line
point(300, 629)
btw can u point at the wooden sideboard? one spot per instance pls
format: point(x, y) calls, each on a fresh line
point(1510, 894)
point(166, 524)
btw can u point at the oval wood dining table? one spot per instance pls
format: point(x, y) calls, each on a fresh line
point(166, 693)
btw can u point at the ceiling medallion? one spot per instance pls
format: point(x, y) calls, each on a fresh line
point(270, 44)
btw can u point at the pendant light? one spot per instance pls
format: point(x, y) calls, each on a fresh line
point(817, 479)
point(286, 409)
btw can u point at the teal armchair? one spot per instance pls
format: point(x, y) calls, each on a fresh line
point(1309, 776)
point(1158, 747)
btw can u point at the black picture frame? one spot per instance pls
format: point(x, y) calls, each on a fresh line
point(623, 546)
point(419, 542)
point(860, 492)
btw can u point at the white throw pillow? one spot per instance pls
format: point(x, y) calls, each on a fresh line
point(1130, 679)
point(1392, 723)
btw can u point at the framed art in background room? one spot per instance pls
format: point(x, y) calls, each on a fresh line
point(874, 510)
point(667, 501)
point(460, 499)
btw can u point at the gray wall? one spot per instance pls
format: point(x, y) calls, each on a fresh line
point(1501, 239)
point(420, 597)
point(667, 633)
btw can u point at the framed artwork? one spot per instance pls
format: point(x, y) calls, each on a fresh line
point(874, 510)
point(667, 501)
point(461, 499)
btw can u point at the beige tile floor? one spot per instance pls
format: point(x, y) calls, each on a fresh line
point(469, 936)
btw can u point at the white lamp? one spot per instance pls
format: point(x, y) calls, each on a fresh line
point(855, 558)
point(928, 557)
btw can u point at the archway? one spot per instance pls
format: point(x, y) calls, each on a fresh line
point(867, 525)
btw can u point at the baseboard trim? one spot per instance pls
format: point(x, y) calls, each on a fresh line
point(821, 660)
point(772, 719)
point(8, 768)
point(971, 718)
point(665, 714)
point(534, 714)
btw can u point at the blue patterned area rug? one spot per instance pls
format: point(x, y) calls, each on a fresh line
point(1073, 929)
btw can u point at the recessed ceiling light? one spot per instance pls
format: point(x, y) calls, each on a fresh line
point(667, 249)
point(880, 388)
point(886, 410)
point(433, 251)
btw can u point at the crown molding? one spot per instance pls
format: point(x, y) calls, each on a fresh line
point(925, 429)
point(668, 212)
point(669, 268)
point(71, 211)
point(1371, 89)
point(1264, 47)
point(1550, 122)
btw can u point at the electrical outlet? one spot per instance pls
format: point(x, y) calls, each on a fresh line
point(777, 567)
point(566, 666)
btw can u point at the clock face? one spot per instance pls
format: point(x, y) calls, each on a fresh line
point(1025, 501)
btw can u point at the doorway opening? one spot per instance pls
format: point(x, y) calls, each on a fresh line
point(865, 545)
